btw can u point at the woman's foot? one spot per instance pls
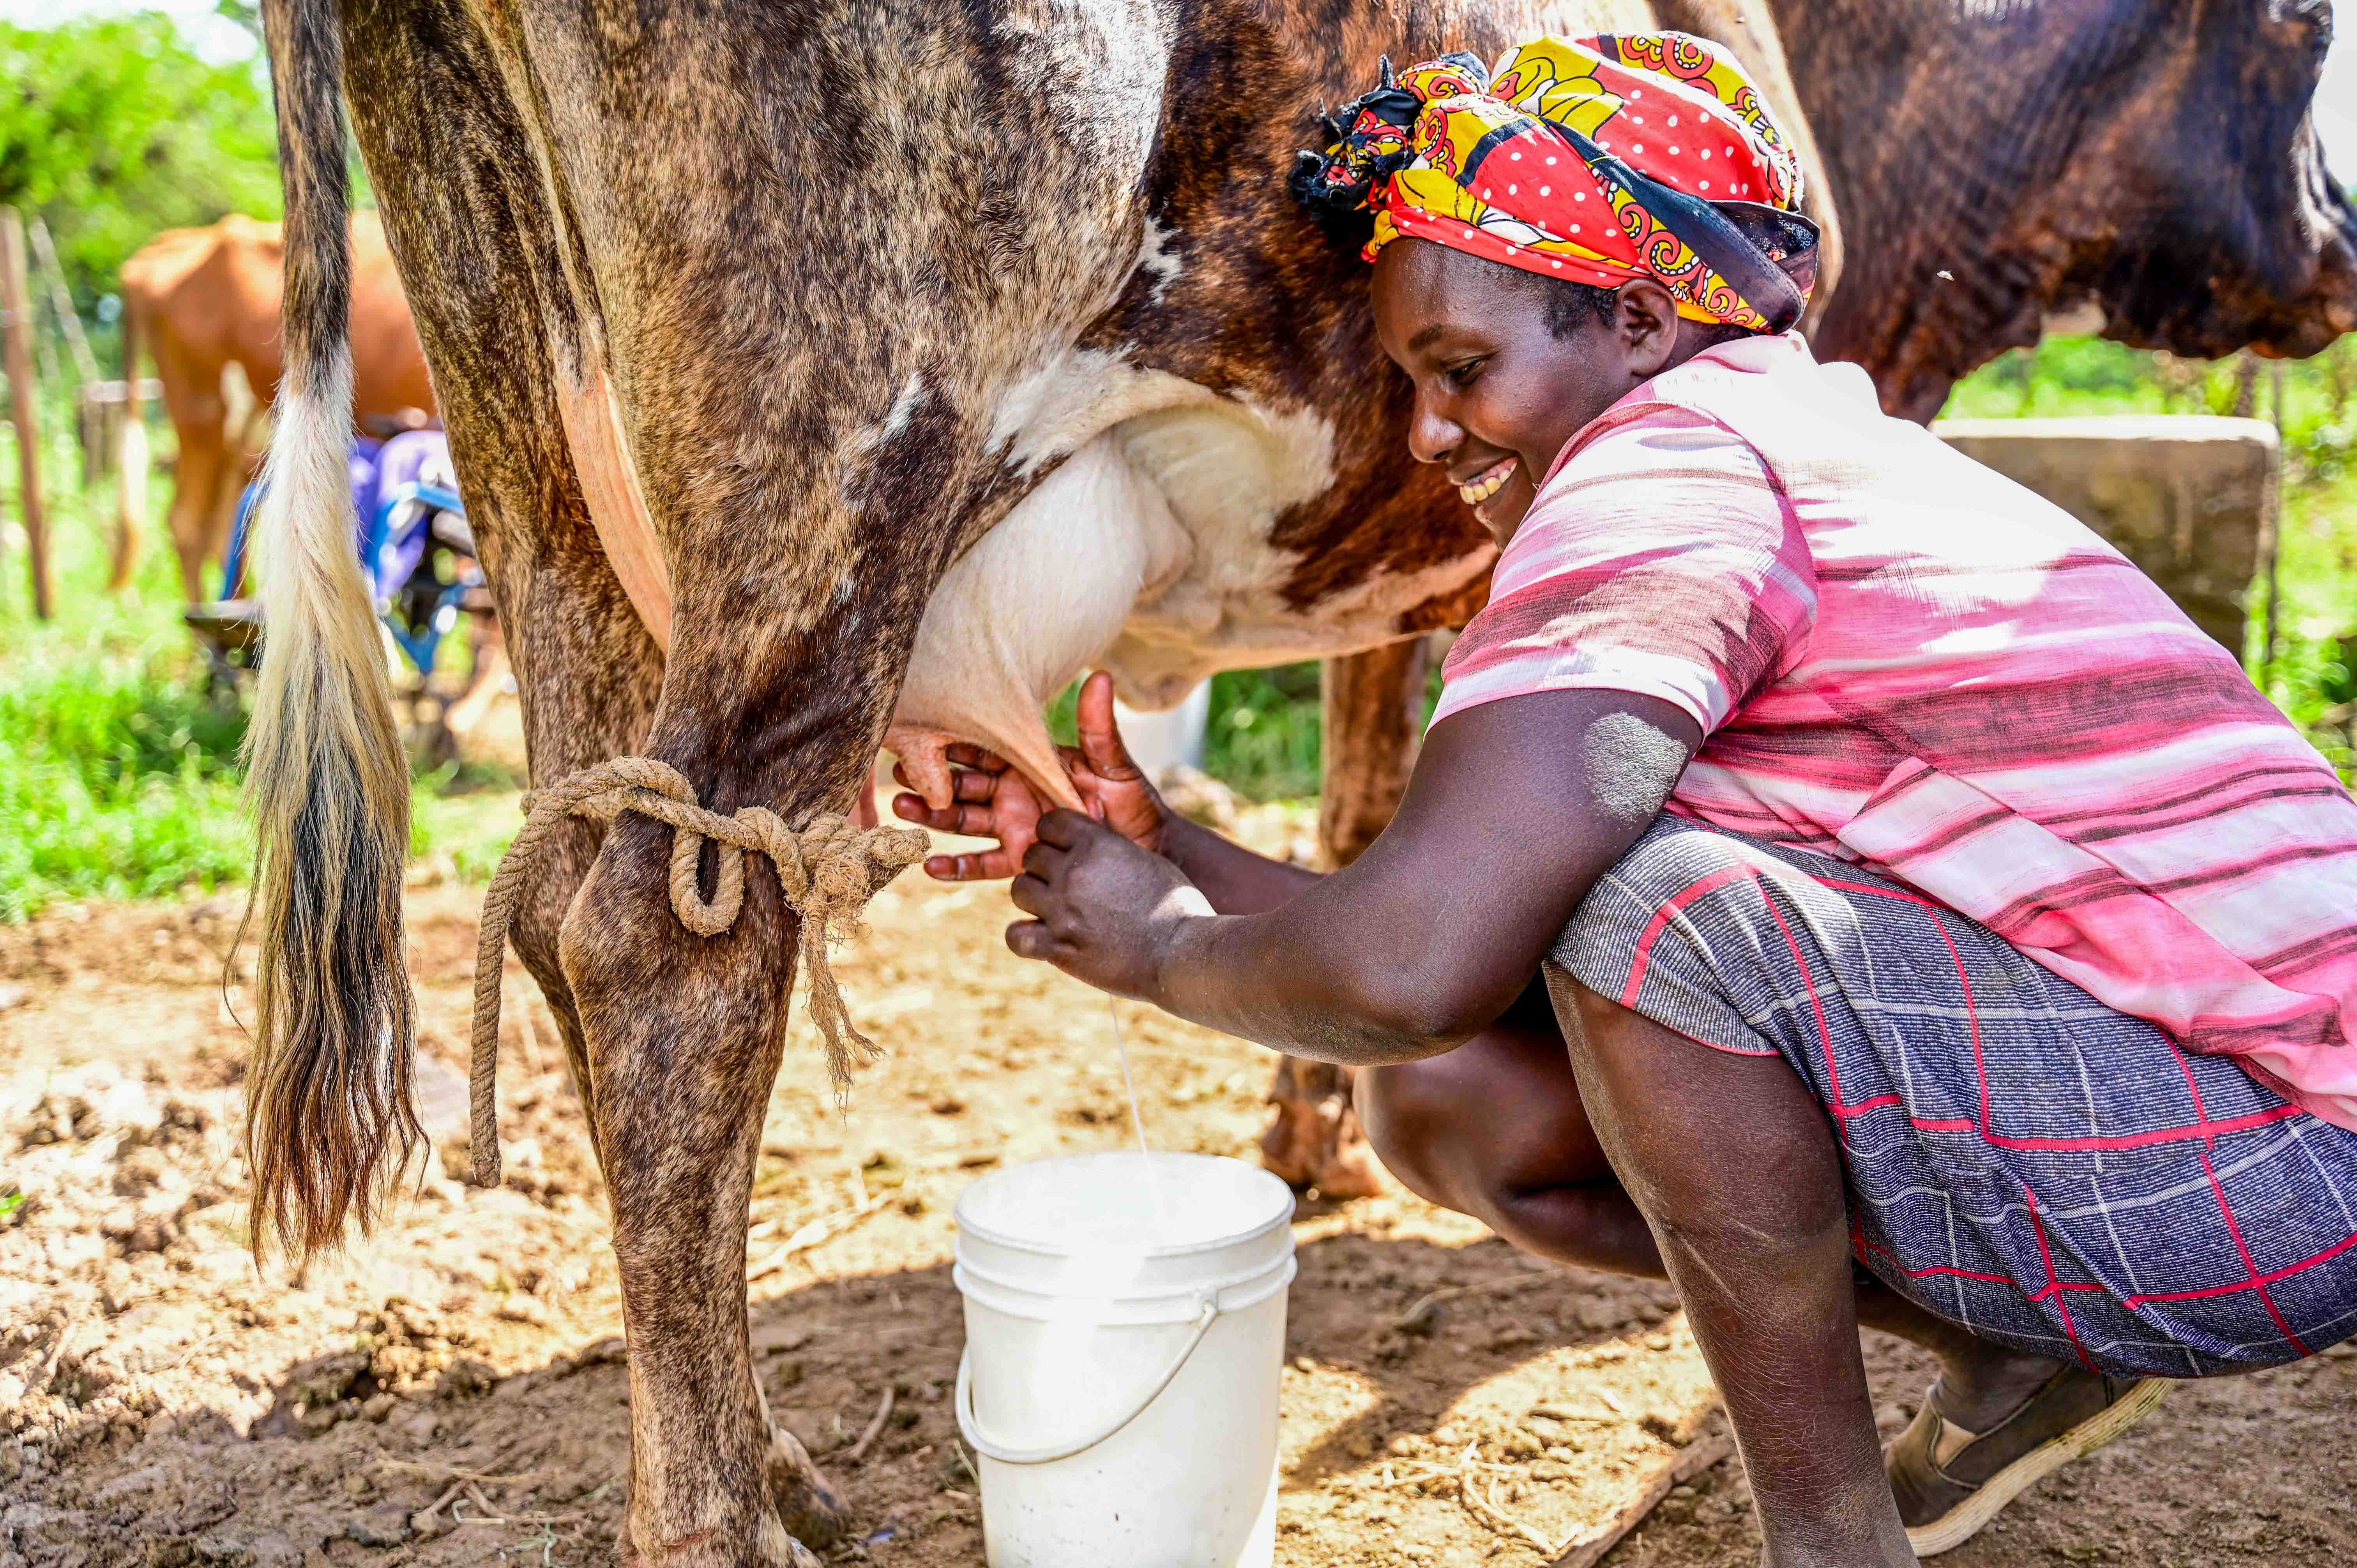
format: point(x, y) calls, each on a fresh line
point(1952, 1477)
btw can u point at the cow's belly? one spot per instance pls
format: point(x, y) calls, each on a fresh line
point(1147, 552)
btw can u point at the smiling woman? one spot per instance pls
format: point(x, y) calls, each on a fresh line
point(1533, 203)
point(1508, 366)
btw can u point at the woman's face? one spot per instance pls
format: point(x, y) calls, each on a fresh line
point(1497, 392)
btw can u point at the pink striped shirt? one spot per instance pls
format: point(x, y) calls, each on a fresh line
point(1902, 660)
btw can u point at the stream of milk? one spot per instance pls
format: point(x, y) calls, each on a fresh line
point(1137, 1122)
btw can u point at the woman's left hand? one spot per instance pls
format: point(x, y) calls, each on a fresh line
point(1101, 909)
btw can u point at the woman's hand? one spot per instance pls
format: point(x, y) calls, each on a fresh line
point(1103, 909)
point(990, 799)
point(993, 799)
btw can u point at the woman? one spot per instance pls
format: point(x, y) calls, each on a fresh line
point(1834, 877)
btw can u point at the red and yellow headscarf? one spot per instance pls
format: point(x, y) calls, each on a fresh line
point(1597, 160)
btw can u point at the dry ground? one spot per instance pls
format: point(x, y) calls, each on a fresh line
point(162, 1404)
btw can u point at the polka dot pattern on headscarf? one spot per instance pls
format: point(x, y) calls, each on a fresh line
point(1433, 153)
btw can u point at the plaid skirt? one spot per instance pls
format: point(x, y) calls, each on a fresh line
point(2020, 1158)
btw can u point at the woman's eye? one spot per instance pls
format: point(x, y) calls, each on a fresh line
point(1464, 372)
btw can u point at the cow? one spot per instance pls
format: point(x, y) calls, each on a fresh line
point(805, 366)
point(781, 348)
point(2146, 168)
point(200, 300)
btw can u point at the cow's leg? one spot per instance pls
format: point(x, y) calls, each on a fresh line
point(1371, 710)
point(808, 371)
point(199, 410)
point(712, 1480)
point(197, 474)
point(1371, 716)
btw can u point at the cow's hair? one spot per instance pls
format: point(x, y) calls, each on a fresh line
point(329, 1119)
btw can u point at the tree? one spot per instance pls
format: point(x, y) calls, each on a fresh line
point(111, 129)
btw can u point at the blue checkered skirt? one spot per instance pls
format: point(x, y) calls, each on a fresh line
point(2020, 1158)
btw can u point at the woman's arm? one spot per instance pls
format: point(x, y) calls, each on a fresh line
point(1235, 880)
point(1514, 809)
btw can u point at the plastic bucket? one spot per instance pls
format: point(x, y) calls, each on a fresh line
point(1123, 1351)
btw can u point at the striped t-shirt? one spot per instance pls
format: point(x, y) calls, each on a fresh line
point(1903, 659)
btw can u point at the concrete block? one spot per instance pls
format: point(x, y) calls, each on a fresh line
point(2190, 498)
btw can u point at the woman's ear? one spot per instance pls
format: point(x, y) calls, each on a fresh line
point(1646, 327)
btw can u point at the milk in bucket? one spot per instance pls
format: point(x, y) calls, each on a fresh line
point(1124, 1325)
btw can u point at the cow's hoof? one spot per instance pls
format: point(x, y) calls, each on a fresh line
point(1348, 1167)
point(814, 1512)
point(766, 1545)
point(1316, 1139)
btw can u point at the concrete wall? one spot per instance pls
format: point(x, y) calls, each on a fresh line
point(2191, 499)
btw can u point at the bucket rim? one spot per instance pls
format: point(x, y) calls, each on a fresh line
point(1282, 1217)
point(976, 1279)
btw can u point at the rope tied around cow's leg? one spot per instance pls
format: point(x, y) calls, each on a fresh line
point(828, 870)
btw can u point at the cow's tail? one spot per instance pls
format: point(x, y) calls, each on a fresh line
point(329, 1121)
point(131, 460)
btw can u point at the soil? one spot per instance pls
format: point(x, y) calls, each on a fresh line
point(163, 1403)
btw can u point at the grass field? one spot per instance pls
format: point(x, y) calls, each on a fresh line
point(119, 774)
point(118, 767)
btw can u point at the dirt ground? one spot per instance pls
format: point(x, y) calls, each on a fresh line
point(165, 1405)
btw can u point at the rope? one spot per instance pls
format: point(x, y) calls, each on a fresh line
point(828, 870)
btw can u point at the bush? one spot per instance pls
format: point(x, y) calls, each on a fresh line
point(113, 129)
point(118, 776)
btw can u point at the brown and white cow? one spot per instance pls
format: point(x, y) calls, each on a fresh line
point(200, 300)
point(862, 284)
point(939, 342)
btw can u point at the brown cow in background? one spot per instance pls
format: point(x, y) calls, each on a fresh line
point(200, 300)
point(2142, 168)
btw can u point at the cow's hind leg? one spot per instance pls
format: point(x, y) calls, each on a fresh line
point(808, 359)
point(672, 1037)
point(199, 471)
point(1372, 708)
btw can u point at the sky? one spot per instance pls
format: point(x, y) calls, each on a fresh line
point(217, 38)
point(2336, 102)
point(213, 37)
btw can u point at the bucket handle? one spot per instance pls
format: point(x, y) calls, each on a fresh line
point(990, 1448)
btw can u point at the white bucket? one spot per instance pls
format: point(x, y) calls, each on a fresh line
point(1120, 1379)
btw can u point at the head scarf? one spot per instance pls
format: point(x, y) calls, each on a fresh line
point(1596, 160)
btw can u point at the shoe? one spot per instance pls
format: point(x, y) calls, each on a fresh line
point(1950, 1481)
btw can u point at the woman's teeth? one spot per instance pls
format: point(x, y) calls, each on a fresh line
point(1489, 483)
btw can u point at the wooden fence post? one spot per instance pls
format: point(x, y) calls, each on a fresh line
point(17, 326)
point(61, 305)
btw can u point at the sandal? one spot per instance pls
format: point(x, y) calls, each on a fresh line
point(1950, 1481)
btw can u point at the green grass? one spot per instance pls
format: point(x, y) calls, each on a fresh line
point(1262, 737)
point(118, 774)
point(119, 770)
point(2313, 677)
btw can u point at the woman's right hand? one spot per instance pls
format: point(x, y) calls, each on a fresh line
point(993, 799)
